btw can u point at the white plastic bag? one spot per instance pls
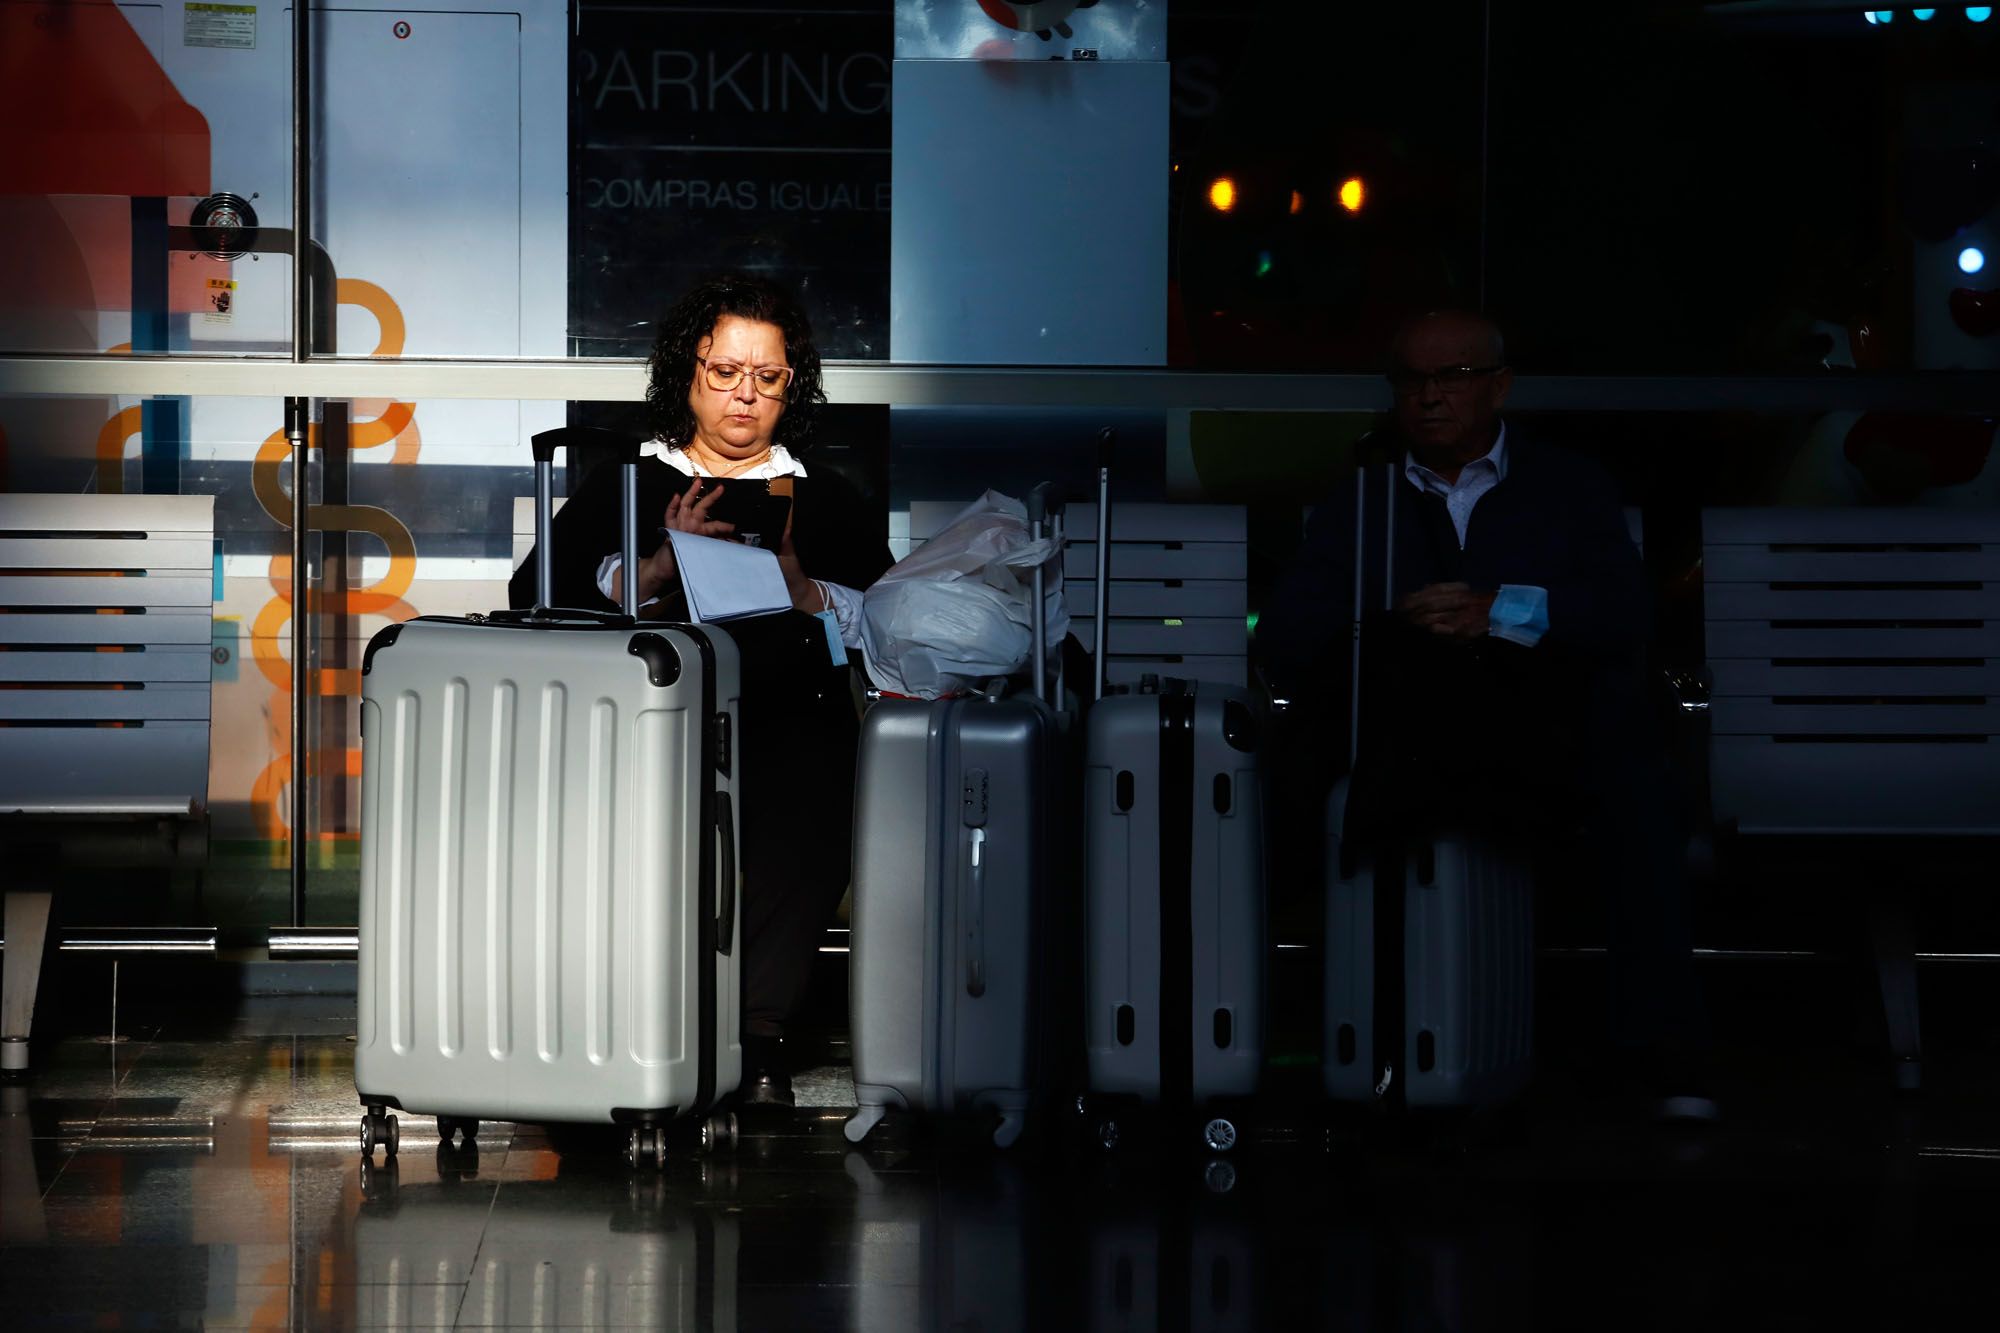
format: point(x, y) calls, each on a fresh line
point(957, 611)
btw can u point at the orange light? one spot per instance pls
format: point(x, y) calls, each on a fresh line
point(1222, 194)
point(1298, 202)
point(1352, 194)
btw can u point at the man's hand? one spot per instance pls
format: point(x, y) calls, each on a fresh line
point(1454, 610)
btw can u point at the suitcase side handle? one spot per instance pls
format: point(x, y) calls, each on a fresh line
point(975, 919)
point(725, 889)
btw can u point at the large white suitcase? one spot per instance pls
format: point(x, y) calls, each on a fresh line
point(549, 888)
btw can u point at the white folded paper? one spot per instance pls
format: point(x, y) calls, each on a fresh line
point(727, 580)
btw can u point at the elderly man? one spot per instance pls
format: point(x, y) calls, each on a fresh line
point(1500, 539)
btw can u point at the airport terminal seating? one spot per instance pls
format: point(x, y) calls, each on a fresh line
point(106, 606)
point(1856, 663)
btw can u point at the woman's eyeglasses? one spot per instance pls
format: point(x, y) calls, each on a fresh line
point(725, 376)
point(1450, 379)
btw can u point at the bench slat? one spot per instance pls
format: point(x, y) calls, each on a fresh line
point(1917, 787)
point(1755, 601)
point(1761, 717)
point(194, 514)
point(1755, 639)
point(164, 590)
point(189, 664)
point(1224, 637)
point(1761, 526)
point(1759, 564)
point(1762, 679)
point(162, 703)
point(1138, 560)
point(154, 553)
point(1152, 597)
point(156, 769)
point(155, 627)
point(1126, 670)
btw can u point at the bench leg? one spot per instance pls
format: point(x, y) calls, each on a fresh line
point(27, 928)
point(1894, 941)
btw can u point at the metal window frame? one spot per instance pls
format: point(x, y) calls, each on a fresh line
point(911, 385)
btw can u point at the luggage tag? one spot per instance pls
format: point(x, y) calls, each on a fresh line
point(836, 647)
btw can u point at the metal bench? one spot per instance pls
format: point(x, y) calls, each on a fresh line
point(1856, 664)
point(105, 634)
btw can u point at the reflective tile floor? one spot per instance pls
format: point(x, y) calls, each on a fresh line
point(181, 1181)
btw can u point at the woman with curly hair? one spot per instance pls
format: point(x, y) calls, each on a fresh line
point(735, 384)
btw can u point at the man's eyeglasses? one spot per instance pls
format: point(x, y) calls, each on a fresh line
point(725, 376)
point(1450, 379)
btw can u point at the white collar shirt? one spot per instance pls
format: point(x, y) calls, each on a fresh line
point(779, 464)
point(1474, 480)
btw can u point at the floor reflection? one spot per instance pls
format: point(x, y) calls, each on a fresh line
point(219, 1185)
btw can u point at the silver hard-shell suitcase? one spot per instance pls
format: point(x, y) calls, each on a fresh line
point(1174, 836)
point(549, 886)
point(951, 935)
point(1431, 1005)
point(1468, 984)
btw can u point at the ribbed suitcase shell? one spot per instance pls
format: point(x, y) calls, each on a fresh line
point(1468, 949)
point(1211, 814)
point(952, 853)
point(532, 872)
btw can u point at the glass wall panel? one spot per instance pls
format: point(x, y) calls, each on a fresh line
point(702, 137)
point(145, 178)
point(1743, 188)
point(1325, 176)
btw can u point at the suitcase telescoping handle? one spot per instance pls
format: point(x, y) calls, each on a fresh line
point(1101, 627)
point(625, 450)
point(1361, 484)
point(1044, 519)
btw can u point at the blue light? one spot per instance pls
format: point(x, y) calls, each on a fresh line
point(1979, 13)
point(1971, 259)
point(1869, 14)
point(1881, 16)
point(1923, 15)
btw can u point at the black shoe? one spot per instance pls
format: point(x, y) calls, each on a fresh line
point(767, 1080)
point(1670, 1086)
point(768, 1087)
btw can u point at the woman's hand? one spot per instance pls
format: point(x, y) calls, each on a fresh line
point(686, 512)
point(805, 593)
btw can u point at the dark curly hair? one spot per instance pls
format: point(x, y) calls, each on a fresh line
point(694, 317)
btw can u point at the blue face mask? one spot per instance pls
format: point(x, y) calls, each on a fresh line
point(836, 648)
point(1520, 614)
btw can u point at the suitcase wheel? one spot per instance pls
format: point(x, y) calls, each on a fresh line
point(1107, 1134)
point(718, 1132)
point(646, 1145)
point(377, 1128)
point(450, 1127)
point(1219, 1176)
point(1219, 1134)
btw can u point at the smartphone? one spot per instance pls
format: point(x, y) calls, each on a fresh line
point(758, 515)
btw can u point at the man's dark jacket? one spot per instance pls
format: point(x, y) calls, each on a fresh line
point(1555, 523)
